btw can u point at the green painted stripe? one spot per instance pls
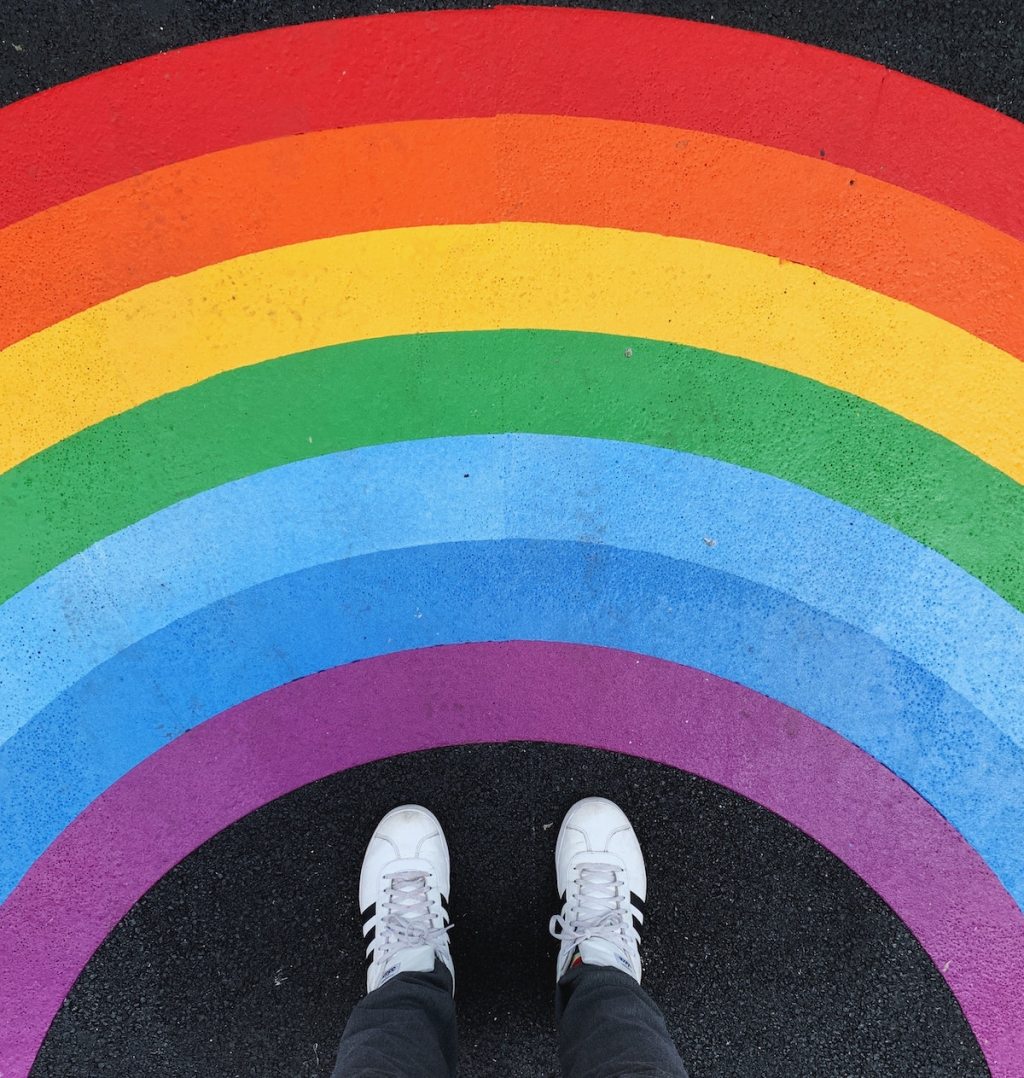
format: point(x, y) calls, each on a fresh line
point(399, 388)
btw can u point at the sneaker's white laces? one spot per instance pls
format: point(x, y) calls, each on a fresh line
point(598, 906)
point(405, 918)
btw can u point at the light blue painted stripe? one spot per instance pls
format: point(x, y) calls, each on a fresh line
point(573, 592)
point(519, 486)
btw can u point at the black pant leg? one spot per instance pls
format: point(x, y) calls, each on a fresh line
point(609, 1027)
point(404, 1029)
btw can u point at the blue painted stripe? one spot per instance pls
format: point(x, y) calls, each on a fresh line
point(575, 592)
point(416, 493)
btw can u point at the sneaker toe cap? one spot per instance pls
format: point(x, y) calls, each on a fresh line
point(407, 833)
point(596, 825)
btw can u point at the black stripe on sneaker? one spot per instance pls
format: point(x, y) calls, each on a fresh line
point(444, 907)
point(638, 904)
point(638, 925)
point(368, 915)
point(371, 933)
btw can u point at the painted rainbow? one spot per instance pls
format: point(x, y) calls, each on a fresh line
point(563, 356)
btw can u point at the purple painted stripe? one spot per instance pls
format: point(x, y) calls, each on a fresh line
point(227, 767)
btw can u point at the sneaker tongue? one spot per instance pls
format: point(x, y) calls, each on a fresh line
point(409, 960)
point(599, 952)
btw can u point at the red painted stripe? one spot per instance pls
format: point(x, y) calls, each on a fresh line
point(162, 109)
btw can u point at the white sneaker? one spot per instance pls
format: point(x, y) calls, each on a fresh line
point(602, 882)
point(403, 895)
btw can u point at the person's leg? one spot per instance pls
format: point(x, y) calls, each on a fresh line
point(608, 1026)
point(405, 1025)
point(404, 1028)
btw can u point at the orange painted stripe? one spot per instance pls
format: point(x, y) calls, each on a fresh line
point(521, 168)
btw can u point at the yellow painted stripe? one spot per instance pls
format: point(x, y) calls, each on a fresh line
point(181, 330)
